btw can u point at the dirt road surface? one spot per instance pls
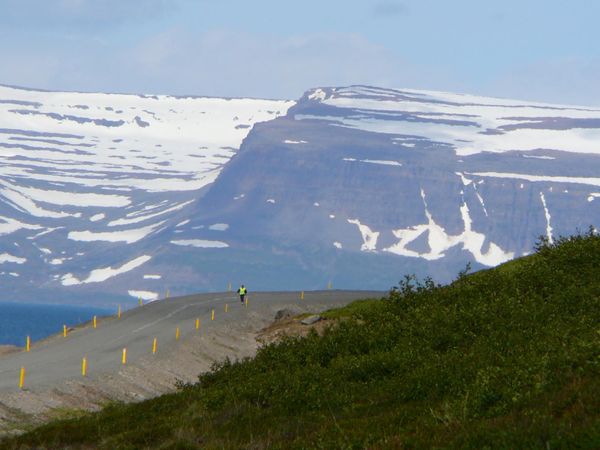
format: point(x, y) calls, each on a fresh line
point(54, 385)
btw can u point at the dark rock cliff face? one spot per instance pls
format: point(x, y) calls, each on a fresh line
point(312, 186)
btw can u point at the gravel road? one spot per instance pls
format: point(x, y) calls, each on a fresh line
point(53, 378)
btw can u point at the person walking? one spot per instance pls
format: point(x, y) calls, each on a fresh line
point(242, 291)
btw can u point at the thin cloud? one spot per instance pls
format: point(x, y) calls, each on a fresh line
point(216, 62)
point(82, 14)
point(566, 80)
point(389, 8)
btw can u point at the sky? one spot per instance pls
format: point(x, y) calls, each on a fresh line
point(544, 50)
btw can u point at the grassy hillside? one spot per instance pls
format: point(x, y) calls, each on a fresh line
point(503, 358)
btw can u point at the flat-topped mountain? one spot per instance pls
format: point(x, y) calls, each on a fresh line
point(87, 179)
point(106, 197)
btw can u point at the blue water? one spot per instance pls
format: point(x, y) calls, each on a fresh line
point(18, 320)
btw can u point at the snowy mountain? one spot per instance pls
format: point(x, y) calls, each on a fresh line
point(85, 179)
point(107, 197)
point(362, 185)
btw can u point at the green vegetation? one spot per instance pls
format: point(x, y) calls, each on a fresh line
point(503, 358)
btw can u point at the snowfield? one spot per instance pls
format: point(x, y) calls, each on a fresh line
point(471, 124)
point(124, 196)
point(110, 169)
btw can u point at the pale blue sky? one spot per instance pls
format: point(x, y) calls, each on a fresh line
point(531, 49)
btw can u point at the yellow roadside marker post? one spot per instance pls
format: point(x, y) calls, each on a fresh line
point(95, 322)
point(140, 301)
point(167, 294)
point(28, 344)
point(212, 315)
point(154, 346)
point(329, 285)
point(119, 312)
point(246, 302)
point(226, 307)
point(302, 295)
point(84, 367)
point(197, 324)
point(22, 378)
point(177, 334)
point(64, 331)
point(124, 357)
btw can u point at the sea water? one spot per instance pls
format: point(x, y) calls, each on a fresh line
point(19, 320)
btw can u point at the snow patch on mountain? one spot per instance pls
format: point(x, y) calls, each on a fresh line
point(465, 180)
point(8, 258)
point(9, 226)
point(129, 221)
point(549, 158)
point(592, 196)
point(144, 295)
point(24, 204)
point(374, 161)
point(200, 243)
point(439, 241)
point(219, 227)
point(65, 198)
point(318, 94)
point(591, 181)
point(128, 236)
point(469, 124)
point(103, 274)
point(369, 236)
point(547, 216)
